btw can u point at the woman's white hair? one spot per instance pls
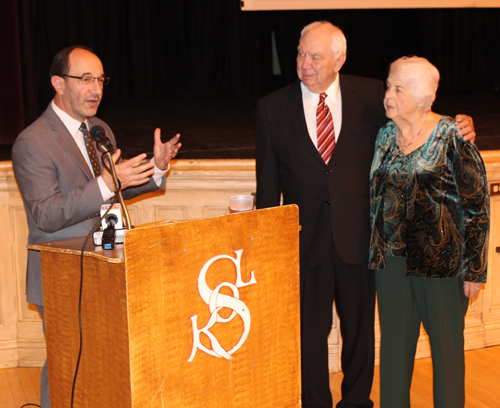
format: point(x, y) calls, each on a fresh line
point(422, 76)
point(339, 42)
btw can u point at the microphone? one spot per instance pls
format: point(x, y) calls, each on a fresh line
point(108, 236)
point(112, 230)
point(111, 220)
point(98, 134)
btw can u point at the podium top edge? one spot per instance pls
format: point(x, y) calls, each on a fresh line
point(73, 246)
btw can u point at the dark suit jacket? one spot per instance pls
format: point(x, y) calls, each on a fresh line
point(333, 200)
point(60, 194)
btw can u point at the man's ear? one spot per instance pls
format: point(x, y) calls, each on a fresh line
point(58, 84)
point(340, 61)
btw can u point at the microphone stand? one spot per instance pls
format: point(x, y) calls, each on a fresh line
point(105, 151)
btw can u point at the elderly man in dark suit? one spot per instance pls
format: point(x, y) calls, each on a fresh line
point(315, 143)
point(60, 174)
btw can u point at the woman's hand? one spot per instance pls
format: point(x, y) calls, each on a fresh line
point(465, 127)
point(471, 289)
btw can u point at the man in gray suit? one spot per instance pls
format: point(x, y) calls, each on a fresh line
point(62, 191)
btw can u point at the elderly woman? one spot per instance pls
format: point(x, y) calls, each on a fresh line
point(430, 219)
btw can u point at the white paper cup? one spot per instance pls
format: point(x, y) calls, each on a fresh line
point(240, 203)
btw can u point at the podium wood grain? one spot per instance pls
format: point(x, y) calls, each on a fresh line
point(137, 305)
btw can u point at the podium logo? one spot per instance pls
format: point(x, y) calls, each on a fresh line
point(216, 301)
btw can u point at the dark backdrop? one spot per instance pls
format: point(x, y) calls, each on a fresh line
point(11, 104)
point(201, 49)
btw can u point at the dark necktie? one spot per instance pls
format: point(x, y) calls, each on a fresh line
point(89, 144)
point(325, 130)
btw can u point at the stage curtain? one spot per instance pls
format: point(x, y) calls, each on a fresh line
point(11, 104)
point(211, 49)
point(464, 44)
point(150, 49)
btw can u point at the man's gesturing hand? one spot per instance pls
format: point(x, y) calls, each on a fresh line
point(129, 172)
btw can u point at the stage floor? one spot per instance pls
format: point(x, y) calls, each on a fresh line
point(225, 128)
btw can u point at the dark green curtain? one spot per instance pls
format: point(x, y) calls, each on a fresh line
point(211, 49)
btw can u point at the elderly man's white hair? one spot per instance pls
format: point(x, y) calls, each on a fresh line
point(422, 76)
point(339, 42)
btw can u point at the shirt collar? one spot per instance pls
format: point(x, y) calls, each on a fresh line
point(71, 123)
point(313, 98)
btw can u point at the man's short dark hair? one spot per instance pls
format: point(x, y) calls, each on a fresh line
point(60, 63)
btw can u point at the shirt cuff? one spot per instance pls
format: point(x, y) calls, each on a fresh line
point(158, 174)
point(106, 193)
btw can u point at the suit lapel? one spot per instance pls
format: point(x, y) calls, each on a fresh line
point(295, 109)
point(66, 141)
point(348, 108)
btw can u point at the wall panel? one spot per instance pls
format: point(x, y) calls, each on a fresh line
point(197, 189)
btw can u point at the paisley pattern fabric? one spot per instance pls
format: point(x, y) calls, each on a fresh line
point(430, 206)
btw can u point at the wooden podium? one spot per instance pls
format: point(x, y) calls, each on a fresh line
point(201, 313)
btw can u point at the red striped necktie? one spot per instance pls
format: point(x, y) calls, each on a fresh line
point(325, 130)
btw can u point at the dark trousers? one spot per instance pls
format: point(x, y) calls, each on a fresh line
point(44, 379)
point(405, 303)
point(353, 289)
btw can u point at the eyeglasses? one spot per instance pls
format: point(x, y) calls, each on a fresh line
point(88, 80)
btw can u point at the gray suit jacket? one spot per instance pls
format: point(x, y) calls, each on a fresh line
point(60, 194)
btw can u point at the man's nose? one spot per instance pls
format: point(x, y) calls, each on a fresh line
point(306, 62)
point(96, 87)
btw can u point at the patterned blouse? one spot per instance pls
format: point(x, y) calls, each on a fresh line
point(430, 206)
